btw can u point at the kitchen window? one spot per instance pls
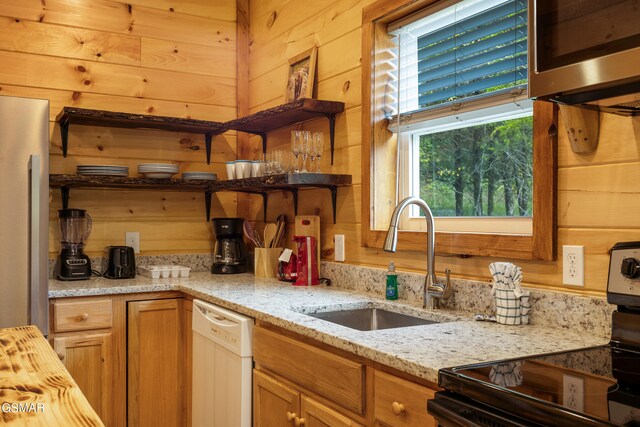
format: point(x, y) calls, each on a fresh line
point(452, 124)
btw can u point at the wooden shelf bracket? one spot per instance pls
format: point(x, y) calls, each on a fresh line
point(583, 128)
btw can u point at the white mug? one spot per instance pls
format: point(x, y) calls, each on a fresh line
point(256, 168)
point(243, 169)
point(231, 170)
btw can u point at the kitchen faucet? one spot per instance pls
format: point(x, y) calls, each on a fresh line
point(435, 291)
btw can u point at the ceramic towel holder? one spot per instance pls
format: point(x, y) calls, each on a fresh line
point(512, 302)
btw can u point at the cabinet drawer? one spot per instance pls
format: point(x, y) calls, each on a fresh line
point(398, 402)
point(78, 315)
point(325, 374)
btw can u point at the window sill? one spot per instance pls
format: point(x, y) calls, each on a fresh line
point(463, 244)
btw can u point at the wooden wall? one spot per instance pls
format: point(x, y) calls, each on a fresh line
point(598, 202)
point(161, 57)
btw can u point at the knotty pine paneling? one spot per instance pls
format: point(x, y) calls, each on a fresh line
point(78, 75)
point(144, 146)
point(56, 40)
point(144, 57)
point(61, 98)
point(324, 28)
point(124, 18)
point(219, 9)
point(217, 61)
point(596, 206)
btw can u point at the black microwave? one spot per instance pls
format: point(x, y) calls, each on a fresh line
point(586, 52)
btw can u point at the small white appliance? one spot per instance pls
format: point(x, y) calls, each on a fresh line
point(222, 367)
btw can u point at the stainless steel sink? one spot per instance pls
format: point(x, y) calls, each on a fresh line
point(370, 319)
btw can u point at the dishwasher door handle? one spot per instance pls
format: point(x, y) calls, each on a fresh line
point(219, 320)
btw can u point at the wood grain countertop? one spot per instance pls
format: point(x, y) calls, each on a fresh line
point(35, 387)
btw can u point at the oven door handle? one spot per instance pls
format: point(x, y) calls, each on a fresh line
point(447, 417)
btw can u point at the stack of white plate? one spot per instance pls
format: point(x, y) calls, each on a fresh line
point(104, 170)
point(199, 175)
point(158, 170)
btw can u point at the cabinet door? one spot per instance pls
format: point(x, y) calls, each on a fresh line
point(155, 363)
point(314, 414)
point(274, 404)
point(398, 402)
point(188, 360)
point(88, 357)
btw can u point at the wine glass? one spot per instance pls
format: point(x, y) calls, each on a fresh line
point(306, 148)
point(318, 148)
point(296, 146)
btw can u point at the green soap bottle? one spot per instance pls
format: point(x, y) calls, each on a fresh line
point(392, 282)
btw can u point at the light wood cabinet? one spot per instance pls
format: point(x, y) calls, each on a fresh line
point(274, 404)
point(82, 314)
point(278, 405)
point(401, 403)
point(88, 358)
point(328, 375)
point(155, 358)
point(315, 414)
point(323, 386)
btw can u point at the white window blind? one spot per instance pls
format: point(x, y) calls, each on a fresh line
point(454, 57)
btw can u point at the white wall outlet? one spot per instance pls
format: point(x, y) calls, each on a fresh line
point(573, 392)
point(132, 238)
point(573, 265)
point(338, 254)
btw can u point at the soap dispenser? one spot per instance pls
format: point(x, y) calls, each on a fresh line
point(392, 282)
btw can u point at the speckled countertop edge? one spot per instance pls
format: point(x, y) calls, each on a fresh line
point(418, 350)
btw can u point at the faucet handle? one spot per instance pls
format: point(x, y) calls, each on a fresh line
point(448, 289)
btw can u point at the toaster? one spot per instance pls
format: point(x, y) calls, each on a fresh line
point(120, 262)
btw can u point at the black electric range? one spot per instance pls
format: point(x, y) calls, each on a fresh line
point(597, 386)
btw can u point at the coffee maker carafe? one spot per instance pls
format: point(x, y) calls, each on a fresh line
point(230, 252)
point(75, 226)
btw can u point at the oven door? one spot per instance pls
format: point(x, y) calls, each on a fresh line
point(453, 410)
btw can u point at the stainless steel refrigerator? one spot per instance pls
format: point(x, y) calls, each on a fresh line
point(24, 212)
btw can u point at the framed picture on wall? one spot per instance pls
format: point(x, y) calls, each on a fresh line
point(301, 75)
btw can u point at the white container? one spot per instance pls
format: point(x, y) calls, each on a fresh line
point(243, 169)
point(231, 170)
point(163, 271)
point(256, 168)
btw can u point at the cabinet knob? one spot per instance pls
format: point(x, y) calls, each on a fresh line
point(299, 422)
point(291, 416)
point(397, 408)
point(61, 356)
point(84, 316)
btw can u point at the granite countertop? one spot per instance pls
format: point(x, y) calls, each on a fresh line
point(418, 350)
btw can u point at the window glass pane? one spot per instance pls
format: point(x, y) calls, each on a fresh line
point(480, 170)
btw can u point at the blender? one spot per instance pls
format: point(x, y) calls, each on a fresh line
point(230, 252)
point(75, 226)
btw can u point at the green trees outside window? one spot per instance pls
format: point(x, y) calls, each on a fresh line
point(481, 170)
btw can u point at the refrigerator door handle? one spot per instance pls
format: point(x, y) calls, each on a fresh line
point(38, 282)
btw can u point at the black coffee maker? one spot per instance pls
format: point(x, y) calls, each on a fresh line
point(230, 253)
point(73, 263)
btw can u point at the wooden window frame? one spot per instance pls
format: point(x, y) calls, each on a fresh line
point(540, 245)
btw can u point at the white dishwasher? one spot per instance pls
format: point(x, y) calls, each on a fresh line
point(222, 365)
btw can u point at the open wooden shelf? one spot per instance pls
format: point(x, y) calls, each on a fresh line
point(83, 116)
point(262, 122)
point(258, 123)
point(263, 185)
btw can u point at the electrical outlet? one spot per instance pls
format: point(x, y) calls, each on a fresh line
point(573, 392)
point(338, 254)
point(573, 265)
point(132, 238)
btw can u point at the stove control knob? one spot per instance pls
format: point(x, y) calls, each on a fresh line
point(630, 268)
